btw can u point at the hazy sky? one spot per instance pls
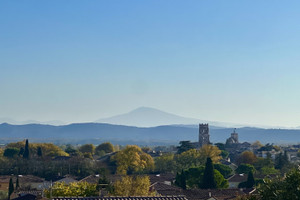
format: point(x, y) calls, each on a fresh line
point(76, 61)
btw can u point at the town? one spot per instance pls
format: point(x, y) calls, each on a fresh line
point(190, 171)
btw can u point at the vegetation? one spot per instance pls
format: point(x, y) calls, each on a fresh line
point(208, 176)
point(83, 189)
point(10, 187)
point(132, 186)
point(133, 160)
point(107, 147)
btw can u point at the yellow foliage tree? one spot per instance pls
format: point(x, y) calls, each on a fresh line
point(195, 158)
point(133, 159)
point(213, 152)
point(132, 186)
point(82, 189)
point(48, 149)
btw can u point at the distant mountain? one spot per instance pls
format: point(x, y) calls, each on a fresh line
point(149, 117)
point(15, 122)
point(119, 134)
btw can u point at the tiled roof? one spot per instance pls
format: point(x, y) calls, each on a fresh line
point(238, 178)
point(161, 177)
point(180, 197)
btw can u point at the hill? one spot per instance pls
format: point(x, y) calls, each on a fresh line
point(120, 134)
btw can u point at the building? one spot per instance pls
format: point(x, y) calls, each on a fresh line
point(233, 140)
point(203, 135)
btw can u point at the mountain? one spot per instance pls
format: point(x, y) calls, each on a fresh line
point(119, 134)
point(12, 121)
point(149, 117)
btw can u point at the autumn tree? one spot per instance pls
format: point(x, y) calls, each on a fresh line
point(87, 148)
point(247, 157)
point(133, 160)
point(210, 151)
point(107, 147)
point(132, 186)
point(75, 189)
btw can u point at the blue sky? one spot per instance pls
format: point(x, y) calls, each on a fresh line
point(77, 61)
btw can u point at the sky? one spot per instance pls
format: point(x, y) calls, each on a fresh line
point(79, 61)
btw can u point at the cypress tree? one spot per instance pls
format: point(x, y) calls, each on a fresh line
point(208, 177)
point(17, 183)
point(39, 152)
point(10, 187)
point(250, 180)
point(26, 150)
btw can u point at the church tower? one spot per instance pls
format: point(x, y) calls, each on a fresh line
point(203, 135)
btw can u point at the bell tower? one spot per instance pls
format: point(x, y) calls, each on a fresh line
point(203, 135)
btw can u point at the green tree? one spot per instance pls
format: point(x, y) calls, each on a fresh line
point(87, 148)
point(107, 147)
point(11, 152)
point(245, 169)
point(17, 183)
point(208, 176)
point(10, 188)
point(225, 170)
point(250, 180)
point(283, 188)
point(180, 180)
point(26, 151)
point(165, 163)
point(39, 152)
point(184, 146)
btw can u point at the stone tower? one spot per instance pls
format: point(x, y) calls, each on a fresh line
point(203, 134)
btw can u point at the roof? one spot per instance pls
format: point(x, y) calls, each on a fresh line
point(165, 189)
point(91, 179)
point(161, 177)
point(179, 197)
point(199, 194)
point(26, 197)
point(238, 178)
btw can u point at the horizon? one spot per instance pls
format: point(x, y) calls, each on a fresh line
point(230, 61)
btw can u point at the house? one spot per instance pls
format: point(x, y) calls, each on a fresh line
point(66, 179)
point(179, 197)
point(236, 179)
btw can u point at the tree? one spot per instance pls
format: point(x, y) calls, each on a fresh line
point(165, 163)
point(281, 160)
point(132, 186)
point(10, 188)
point(11, 152)
point(133, 160)
point(87, 148)
point(107, 147)
point(225, 170)
point(210, 151)
point(208, 176)
point(39, 152)
point(193, 178)
point(247, 157)
point(250, 180)
point(17, 183)
point(188, 159)
point(281, 188)
point(74, 189)
point(245, 169)
point(26, 151)
point(180, 180)
point(184, 146)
